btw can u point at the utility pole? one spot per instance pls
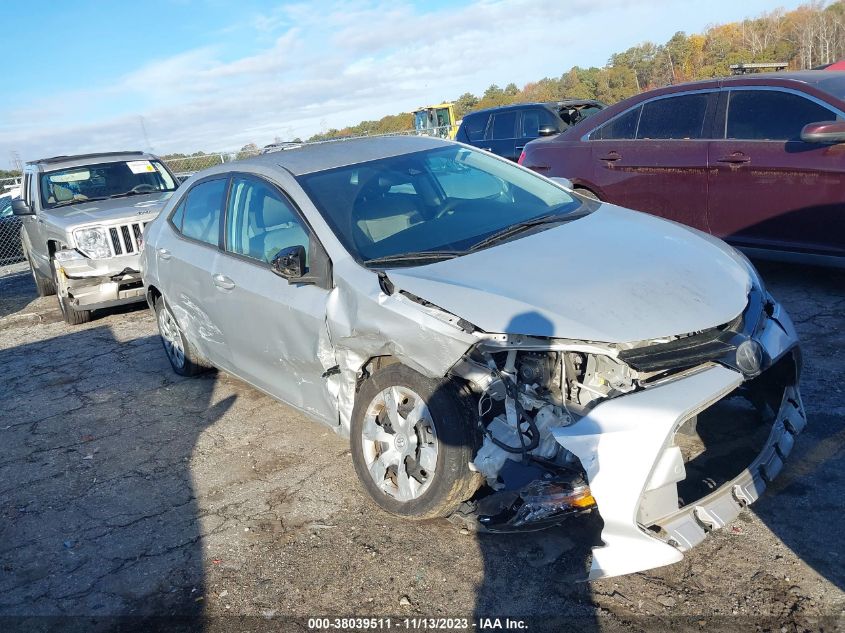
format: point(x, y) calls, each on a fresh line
point(144, 132)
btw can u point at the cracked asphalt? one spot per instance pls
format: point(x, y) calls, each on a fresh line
point(126, 490)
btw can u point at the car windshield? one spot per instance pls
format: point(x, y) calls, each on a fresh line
point(440, 201)
point(104, 180)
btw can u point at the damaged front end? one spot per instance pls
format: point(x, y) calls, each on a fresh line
point(667, 439)
point(89, 284)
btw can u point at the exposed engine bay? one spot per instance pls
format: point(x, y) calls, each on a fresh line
point(523, 396)
point(649, 433)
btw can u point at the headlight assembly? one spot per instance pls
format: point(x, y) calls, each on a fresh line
point(94, 242)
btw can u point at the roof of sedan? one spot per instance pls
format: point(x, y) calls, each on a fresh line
point(823, 79)
point(327, 155)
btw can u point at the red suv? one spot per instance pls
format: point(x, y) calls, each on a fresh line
point(756, 160)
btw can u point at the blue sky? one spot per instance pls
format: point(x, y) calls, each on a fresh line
point(182, 75)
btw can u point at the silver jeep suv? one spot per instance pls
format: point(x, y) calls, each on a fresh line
point(83, 221)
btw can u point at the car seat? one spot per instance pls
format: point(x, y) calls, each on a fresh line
point(378, 214)
point(276, 228)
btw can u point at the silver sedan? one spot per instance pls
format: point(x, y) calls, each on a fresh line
point(487, 338)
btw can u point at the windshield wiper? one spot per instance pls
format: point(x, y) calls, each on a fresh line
point(64, 203)
point(131, 193)
point(413, 257)
point(519, 227)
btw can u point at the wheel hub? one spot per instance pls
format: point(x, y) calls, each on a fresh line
point(400, 443)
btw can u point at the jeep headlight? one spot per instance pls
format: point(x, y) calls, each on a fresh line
point(94, 242)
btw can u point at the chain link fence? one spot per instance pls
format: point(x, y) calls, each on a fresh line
point(11, 254)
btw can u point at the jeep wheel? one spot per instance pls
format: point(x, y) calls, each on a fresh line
point(43, 286)
point(412, 441)
point(182, 356)
point(71, 315)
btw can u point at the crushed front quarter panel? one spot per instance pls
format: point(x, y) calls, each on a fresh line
point(365, 322)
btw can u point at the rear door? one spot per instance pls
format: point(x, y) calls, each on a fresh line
point(653, 157)
point(275, 329)
point(501, 134)
point(768, 188)
point(187, 251)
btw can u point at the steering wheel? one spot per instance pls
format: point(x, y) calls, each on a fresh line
point(449, 206)
point(142, 187)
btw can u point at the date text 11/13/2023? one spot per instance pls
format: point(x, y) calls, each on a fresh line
point(416, 623)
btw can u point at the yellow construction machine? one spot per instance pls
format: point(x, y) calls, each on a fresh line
point(436, 120)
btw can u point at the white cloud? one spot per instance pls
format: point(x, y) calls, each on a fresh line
point(327, 65)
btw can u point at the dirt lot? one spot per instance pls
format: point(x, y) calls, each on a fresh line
point(128, 491)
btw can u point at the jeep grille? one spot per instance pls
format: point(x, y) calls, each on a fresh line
point(125, 239)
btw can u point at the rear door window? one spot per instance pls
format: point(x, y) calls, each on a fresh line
point(771, 115)
point(198, 215)
point(623, 127)
point(504, 125)
point(680, 117)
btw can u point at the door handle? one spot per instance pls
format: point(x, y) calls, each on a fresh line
point(519, 147)
point(164, 253)
point(735, 159)
point(611, 157)
point(223, 282)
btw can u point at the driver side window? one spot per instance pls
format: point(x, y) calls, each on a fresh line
point(261, 222)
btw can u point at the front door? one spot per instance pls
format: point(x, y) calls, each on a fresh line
point(276, 330)
point(654, 157)
point(770, 189)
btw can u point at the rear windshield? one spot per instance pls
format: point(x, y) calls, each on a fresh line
point(835, 85)
point(104, 180)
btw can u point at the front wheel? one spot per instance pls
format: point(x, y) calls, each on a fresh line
point(71, 315)
point(43, 286)
point(412, 440)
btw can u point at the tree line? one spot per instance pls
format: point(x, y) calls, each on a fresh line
point(809, 36)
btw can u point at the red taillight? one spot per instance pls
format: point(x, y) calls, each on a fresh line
point(521, 158)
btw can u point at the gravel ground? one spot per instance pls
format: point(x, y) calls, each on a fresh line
point(126, 490)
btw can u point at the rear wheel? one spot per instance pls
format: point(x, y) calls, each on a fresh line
point(182, 356)
point(43, 285)
point(71, 315)
point(412, 440)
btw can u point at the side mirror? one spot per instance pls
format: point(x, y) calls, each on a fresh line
point(548, 130)
point(19, 207)
point(824, 132)
point(289, 263)
point(564, 182)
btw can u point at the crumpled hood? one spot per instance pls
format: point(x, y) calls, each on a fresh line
point(132, 209)
point(613, 276)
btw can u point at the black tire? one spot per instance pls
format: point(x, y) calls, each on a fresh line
point(43, 286)
point(452, 415)
point(71, 315)
point(191, 364)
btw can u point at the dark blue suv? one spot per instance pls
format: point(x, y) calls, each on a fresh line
point(505, 130)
